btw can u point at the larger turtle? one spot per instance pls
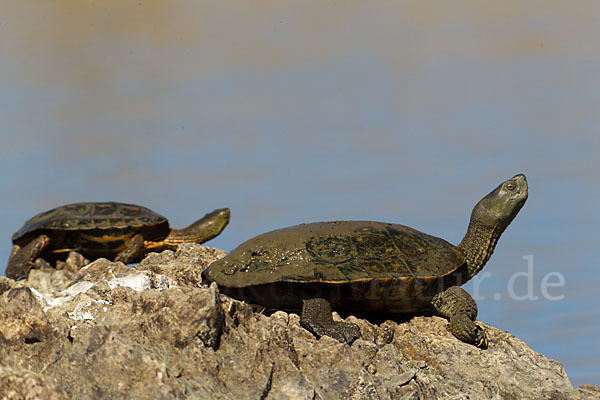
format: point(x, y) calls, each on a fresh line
point(123, 232)
point(369, 266)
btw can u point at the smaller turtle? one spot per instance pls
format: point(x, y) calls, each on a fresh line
point(118, 231)
point(369, 266)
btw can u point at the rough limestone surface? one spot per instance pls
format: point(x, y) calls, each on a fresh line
point(154, 331)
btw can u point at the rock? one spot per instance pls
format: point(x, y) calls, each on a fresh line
point(21, 316)
point(29, 385)
point(73, 263)
point(152, 331)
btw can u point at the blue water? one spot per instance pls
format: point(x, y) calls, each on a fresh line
point(290, 113)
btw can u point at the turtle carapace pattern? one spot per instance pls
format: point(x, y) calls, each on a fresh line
point(117, 231)
point(369, 266)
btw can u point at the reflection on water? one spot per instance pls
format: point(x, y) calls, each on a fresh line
point(291, 113)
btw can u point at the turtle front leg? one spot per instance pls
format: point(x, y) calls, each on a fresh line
point(22, 258)
point(316, 317)
point(459, 307)
point(134, 251)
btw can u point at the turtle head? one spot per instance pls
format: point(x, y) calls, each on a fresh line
point(206, 228)
point(489, 219)
point(502, 204)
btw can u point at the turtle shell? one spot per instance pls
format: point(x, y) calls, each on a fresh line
point(354, 264)
point(94, 218)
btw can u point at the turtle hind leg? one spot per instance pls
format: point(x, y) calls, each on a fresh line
point(134, 251)
point(459, 307)
point(316, 317)
point(22, 258)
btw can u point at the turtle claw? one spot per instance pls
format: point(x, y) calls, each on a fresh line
point(468, 331)
point(19, 271)
point(480, 338)
point(343, 332)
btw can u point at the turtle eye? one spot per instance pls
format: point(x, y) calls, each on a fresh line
point(511, 186)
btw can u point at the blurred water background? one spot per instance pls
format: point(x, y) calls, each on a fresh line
point(291, 112)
